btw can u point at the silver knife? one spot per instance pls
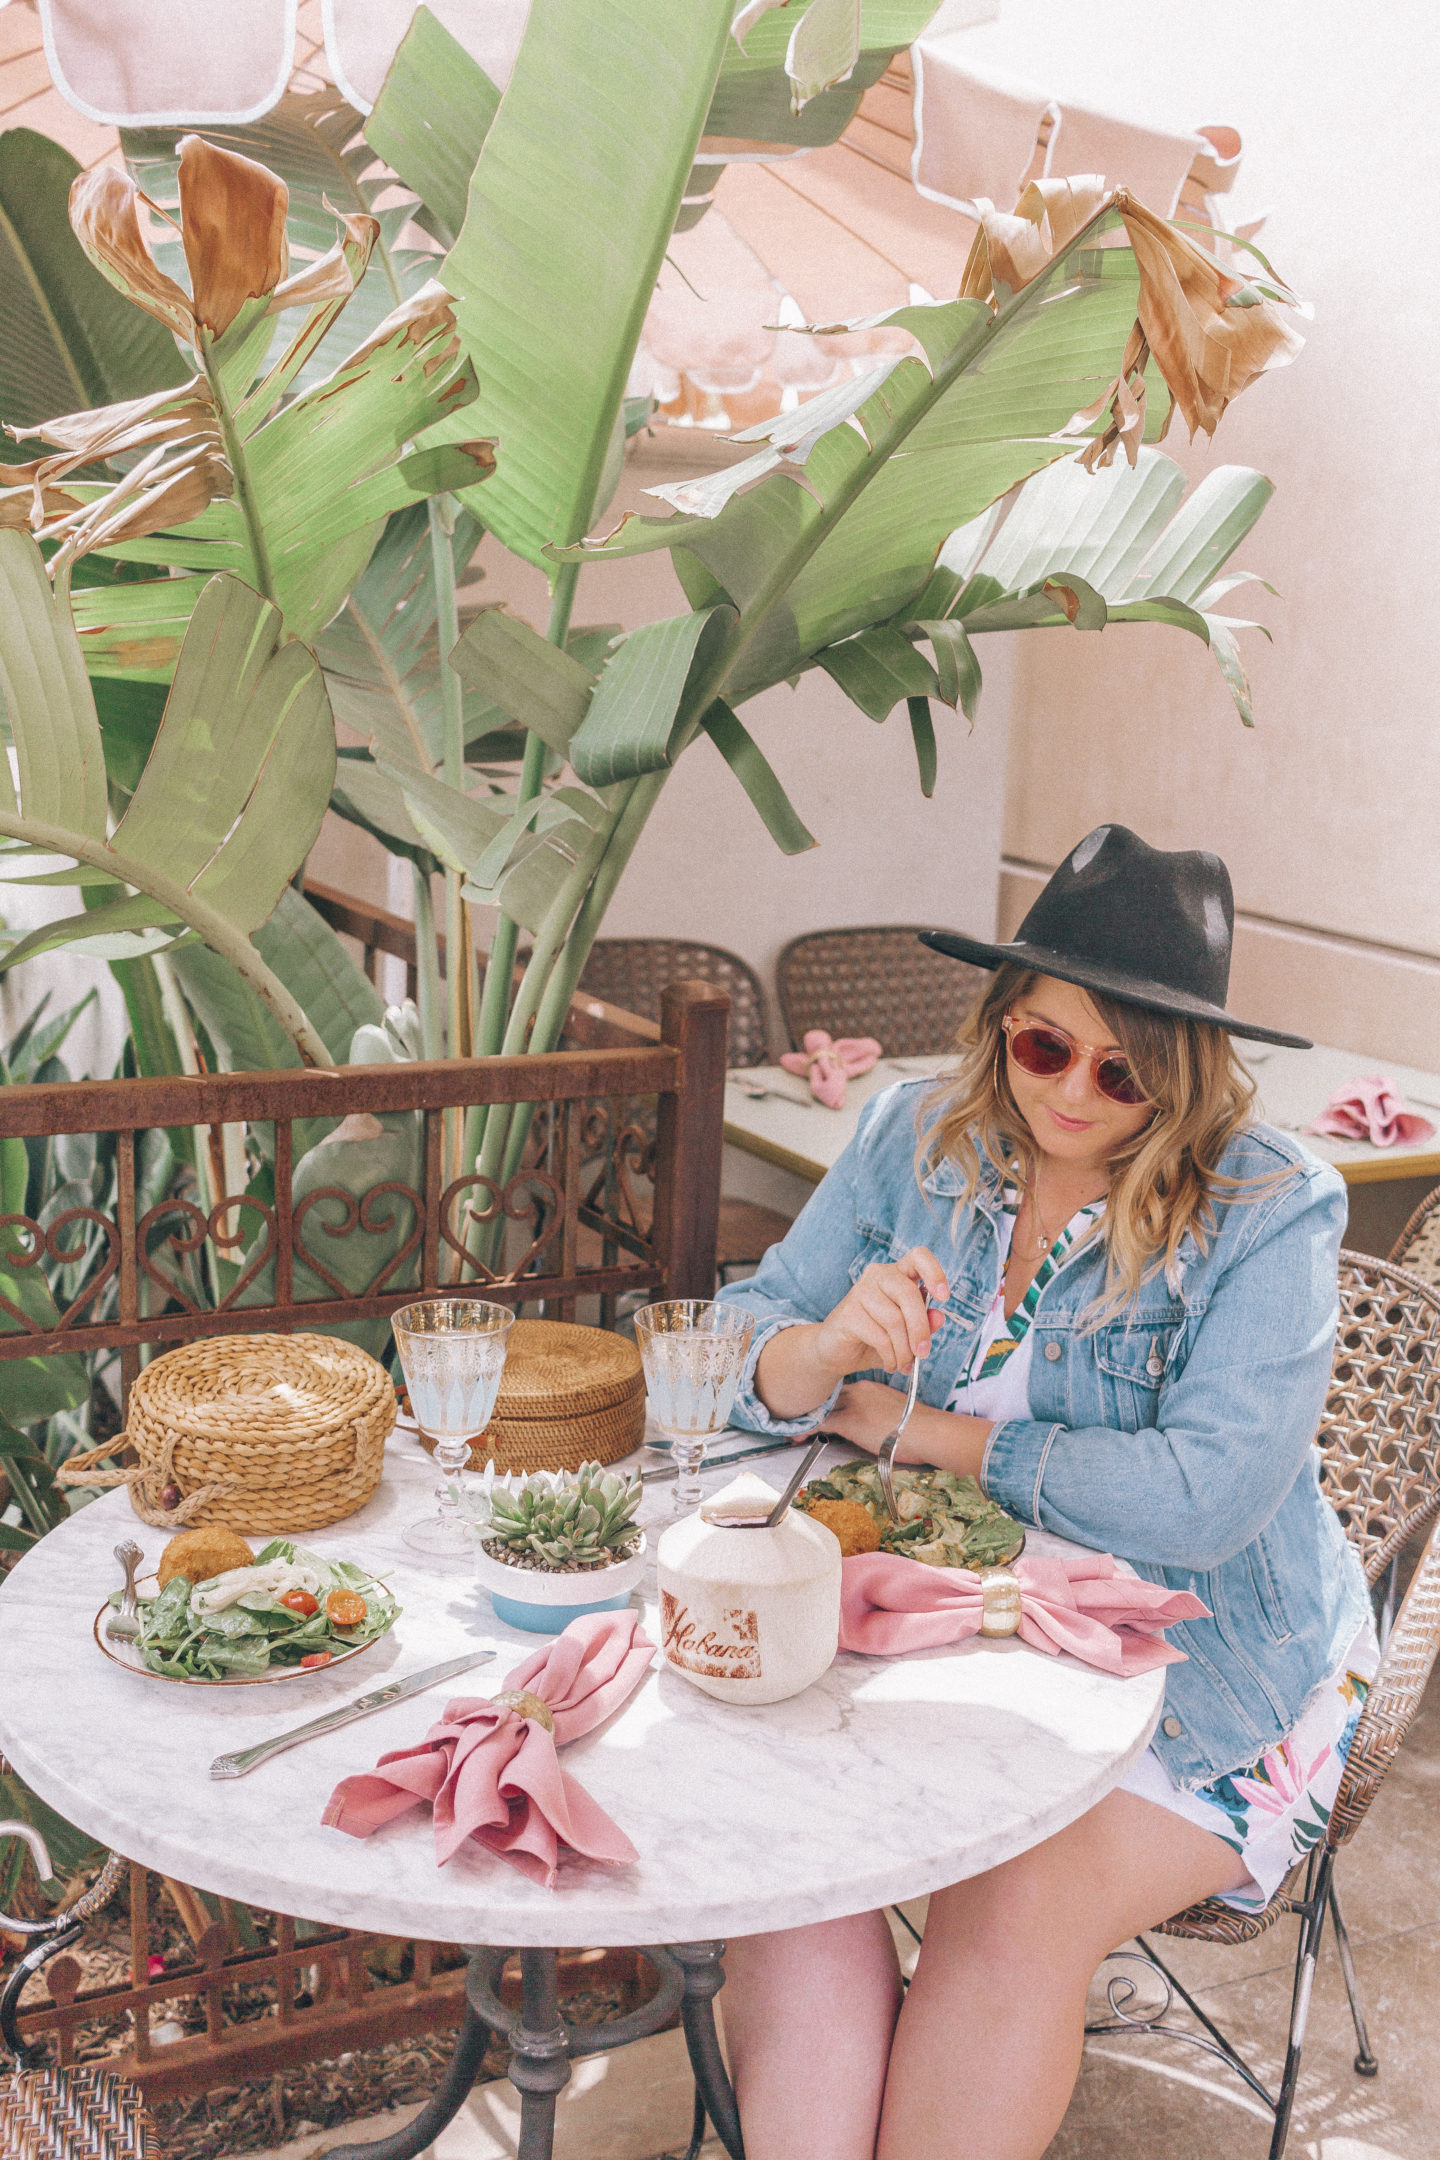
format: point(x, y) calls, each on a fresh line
point(228, 1766)
point(722, 1462)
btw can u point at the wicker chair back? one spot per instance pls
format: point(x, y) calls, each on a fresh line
point(1418, 1245)
point(881, 982)
point(77, 2111)
point(1379, 1440)
point(1380, 1429)
point(632, 972)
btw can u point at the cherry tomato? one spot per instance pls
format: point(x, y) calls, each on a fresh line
point(346, 1608)
point(316, 1657)
point(300, 1601)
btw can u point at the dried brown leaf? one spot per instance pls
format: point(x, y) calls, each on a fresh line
point(1210, 334)
point(428, 313)
point(335, 275)
point(104, 210)
point(17, 504)
point(94, 433)
point(482, 449)
point(232, 220)
point(180, 493)
point(1207, 346)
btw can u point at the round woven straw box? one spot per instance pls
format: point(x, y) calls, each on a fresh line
point(259, 1432)
point(570, 1395)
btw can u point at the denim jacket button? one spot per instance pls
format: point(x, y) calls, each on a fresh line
point(1172, 1728)
point(1052, 1352)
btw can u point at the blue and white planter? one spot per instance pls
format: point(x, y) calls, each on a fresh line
point(545, 1603)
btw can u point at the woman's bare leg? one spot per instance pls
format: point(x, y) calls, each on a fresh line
point(808, 2017)
point(987, 2048)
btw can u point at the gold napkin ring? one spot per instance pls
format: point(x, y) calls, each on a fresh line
point(524, 1704)
point(1000, 1601)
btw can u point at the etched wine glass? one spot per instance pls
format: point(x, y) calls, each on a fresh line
point(453, 1354)
point(694, 1352)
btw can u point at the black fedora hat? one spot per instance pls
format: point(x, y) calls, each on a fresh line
point(1141, 924)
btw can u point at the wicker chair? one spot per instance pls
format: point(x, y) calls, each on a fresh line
point(1418, 1245)
point(85, 2112)
point(632, 972)
point(1380, 1445)
point(881, 982)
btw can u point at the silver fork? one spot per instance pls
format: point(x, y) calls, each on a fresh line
point(885, 1456)
point(124, 1625)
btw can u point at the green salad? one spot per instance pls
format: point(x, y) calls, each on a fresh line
point(945, 1520)
point(291, 1608)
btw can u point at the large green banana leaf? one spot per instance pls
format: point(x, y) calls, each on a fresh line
point(848, 536)
point(1090, 550)
point(67, 338)
point(229, 802)
point(755, 96)
point(381, 655)
point(571, 207)
point(431, 118)
point(300, 947)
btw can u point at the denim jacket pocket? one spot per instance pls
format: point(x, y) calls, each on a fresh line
point(1132, 1361)
point(1268, 1596)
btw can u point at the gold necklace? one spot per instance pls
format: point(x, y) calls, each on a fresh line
point(1044, 1240)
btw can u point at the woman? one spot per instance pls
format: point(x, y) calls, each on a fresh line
point(1124, 1293)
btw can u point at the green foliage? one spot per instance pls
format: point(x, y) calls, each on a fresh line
point(571, 206)
point(230, 799)
point(431, 118)
point(69, 339)
point(69, 1849)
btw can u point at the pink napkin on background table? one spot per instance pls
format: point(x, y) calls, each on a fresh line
point(492, 1775)
point(1369, 1109)
point(1075, 1601)
point(828, 1065)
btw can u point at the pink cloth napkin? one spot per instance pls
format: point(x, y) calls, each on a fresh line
point(828, 1065)
point(489, 1774)
point(1076, 1601)
point(1369, 1109)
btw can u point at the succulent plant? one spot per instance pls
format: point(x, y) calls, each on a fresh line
point(567, 1521)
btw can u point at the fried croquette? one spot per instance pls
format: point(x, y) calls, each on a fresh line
point(853, 1524)
point(210, 1550)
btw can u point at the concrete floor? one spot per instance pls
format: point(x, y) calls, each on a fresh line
point(1147, 2099)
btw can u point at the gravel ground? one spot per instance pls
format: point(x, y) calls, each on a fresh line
point(236, 2119)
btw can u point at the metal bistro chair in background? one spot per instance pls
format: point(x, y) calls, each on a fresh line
point(879, 981)
point(84, 2112)
point(631, 973)
point(1418, 1245)
point(1380, 1445)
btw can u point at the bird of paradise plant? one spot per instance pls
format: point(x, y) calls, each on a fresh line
point(875, 533)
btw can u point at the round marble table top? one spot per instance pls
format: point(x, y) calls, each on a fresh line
point(886, 1779)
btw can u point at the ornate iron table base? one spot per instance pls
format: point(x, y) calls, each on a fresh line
point(542, 2044)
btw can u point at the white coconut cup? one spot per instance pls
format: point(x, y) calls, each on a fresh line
point(543, 1603)
point(750, 1616)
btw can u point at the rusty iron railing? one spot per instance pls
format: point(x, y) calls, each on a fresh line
point(308, 1995)
point(574, 1225)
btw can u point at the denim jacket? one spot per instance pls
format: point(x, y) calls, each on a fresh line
point(1179, 1436)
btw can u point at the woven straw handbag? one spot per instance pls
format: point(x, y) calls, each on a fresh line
point(258, 1432)
point(569, 1395)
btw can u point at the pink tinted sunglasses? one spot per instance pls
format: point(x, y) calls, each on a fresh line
point(1046, 1052)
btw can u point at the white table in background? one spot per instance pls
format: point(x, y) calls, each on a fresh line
point(787, 1128)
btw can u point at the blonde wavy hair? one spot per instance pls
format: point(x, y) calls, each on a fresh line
point(1164, 1180)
